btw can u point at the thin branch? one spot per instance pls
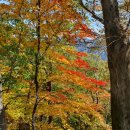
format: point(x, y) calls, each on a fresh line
point(127, 26)
point(21, 7)
point(92, 13)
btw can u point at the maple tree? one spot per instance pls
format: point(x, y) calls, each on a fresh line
point(46, 80)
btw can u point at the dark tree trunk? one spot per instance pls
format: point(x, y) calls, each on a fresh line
point(2, 120)
point(37, 63)
point(2, 111)
point(119, 65)
point(24, 126)
point(49, 88)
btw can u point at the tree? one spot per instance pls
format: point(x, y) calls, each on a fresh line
point(118, 48)
point(2, 111)
point(43, 72)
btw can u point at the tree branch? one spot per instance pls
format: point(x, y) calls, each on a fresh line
point(127, 26)
point(92, 13)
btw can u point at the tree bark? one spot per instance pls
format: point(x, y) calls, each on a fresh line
point(37, 63)
point(2, 112)
point(118, 48)
point(24, 126)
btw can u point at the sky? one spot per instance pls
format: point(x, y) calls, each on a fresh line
point(4, 1)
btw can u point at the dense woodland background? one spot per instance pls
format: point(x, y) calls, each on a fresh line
point(53, 64)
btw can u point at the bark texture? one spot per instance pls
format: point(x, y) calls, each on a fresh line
point(2, 112)
point(24, 126)
point(37, 63)
point(119, 65)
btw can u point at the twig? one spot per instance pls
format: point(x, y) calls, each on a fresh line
point(92, 13)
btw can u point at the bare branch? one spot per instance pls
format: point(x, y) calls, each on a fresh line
point(127, 26)
point(92, 13)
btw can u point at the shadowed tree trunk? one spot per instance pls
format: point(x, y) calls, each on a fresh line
point(37, 63)
point(24, 126)
point(49, 88)
point(118, 48)
point(119, 65)
point(2, 112)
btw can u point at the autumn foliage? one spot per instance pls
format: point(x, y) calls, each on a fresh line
point(47, 84)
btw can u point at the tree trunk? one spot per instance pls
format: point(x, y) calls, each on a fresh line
point(24, 126)
point(2, 112)
point(37, 63)
point(118, 48)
